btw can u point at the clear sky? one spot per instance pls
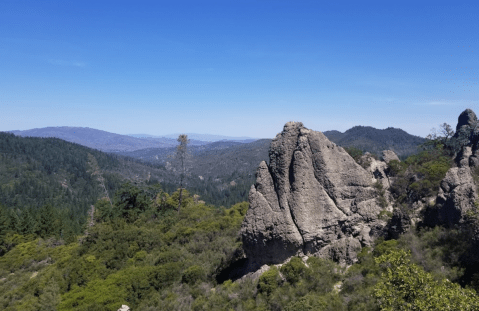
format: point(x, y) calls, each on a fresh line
point(237, 68)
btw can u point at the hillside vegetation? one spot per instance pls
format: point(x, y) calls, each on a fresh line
point(143, 250)
point(372, 140)
point(146, 254)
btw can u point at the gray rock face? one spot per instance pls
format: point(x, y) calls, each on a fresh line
point(467, 135)
point(389, 155)
point(466, 120)
point(377, 170)
point(457, 194)
point(312, 198)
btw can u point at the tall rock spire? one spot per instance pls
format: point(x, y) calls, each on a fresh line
point(312, 198)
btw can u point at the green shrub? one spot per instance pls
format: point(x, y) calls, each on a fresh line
point(313, 302)
point(164, 275)
point(406, 286)
point(294, 270)
point(269, 281)
point(193, 274)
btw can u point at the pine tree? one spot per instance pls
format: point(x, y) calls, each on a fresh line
point(181, 157)
point(28, 224)
point(15, 221)
point(46, 221)
point(4, 228)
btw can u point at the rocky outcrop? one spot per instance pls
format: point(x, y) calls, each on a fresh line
point(379, 169)
point(458, 191)
point(312, 199)
point(389, 155)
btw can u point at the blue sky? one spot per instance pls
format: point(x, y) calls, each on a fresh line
point(237, 68)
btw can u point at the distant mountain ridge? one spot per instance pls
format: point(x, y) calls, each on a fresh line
point(366, 138)
point(200, 137)
point(374, 140)
point(102, 140)
point(111, 142)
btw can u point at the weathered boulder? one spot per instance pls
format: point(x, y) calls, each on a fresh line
point(389, 155)
point(312, 199)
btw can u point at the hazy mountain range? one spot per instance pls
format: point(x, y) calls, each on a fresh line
point(155, 149)
point(200, 137)
point(111, 142)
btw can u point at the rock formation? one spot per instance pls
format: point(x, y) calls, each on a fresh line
point(457, 194)
point(379, 169)
point(389, 155)
point(312, 199)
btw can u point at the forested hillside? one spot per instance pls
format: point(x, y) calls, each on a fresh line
point(140, 247)
point(374, 140)
point(49, 176)
point(47, 185)
point(41, 176)
point(221, 172)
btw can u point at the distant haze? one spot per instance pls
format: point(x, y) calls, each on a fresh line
point(201, 137)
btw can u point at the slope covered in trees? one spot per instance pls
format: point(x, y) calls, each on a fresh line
point(370, 139)
point(140, 251)
point(49, 176)
point(143, 253)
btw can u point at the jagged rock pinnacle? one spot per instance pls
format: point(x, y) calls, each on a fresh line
point(312, 198)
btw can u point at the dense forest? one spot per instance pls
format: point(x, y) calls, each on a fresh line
point(137, 246)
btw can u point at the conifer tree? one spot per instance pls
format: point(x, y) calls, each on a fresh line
point(46, 221)
point(4, 223)
point(28, 224)
point(181, 158)
point(15, 221)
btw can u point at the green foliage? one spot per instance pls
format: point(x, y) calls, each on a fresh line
point(396, 167)
point(406, 286)
point(130, 202)
point(28, 224)
point(269, 281)
point(419, 175)
point(50, 298)
point(45, 185)
point(312, 302)
point(193, 274)
point(294, 270)
point(440, 251)
point(143, 253)
point(48, 221)
point(375, 141)
point(354, 152)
